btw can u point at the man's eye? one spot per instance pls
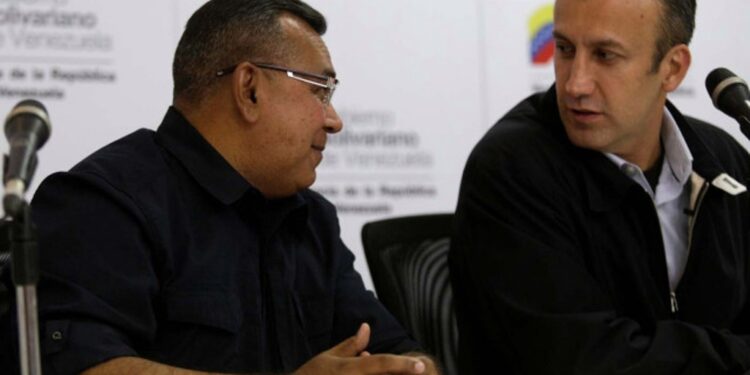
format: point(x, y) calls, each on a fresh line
point(564, 49)
point(320, 92)
point(605, 55)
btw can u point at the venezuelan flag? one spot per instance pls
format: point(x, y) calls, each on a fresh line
point(540, 31)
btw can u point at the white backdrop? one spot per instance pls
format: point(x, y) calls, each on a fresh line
point(422, 80)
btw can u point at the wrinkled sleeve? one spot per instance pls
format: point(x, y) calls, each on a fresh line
point(97, 280)
point(526, 300)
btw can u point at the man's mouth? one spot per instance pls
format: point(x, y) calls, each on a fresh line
point(319, 148)
point(583, 114)
point(581, 111)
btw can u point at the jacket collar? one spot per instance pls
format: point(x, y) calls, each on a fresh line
point(200, 159)
point(705, 162)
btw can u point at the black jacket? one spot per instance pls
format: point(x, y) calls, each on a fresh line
point(154, 246)
point(559, 267)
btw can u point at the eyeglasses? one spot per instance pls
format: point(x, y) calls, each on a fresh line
point(330, 82)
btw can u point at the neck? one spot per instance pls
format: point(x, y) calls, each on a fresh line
point(645, 149)
point(646, 160)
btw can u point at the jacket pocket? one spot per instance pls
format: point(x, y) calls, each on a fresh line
point(210, 309)
point(198, 329)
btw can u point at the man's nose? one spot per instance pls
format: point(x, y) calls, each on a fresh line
point(580, 80)
point(333, 122)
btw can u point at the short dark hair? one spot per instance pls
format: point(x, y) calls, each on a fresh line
point(677, 24)
point(226, 32)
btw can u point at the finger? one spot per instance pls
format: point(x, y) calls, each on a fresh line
point(354, 345)
point(364, 354)
point(363, 337)
point(430, 366)
point(386, 363)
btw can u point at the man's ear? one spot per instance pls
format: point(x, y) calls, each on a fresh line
point(244, 91)
point(675, 66)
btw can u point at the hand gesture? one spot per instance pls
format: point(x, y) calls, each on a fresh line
point(349, 358)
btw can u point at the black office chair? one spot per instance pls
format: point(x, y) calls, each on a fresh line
point(408, 261)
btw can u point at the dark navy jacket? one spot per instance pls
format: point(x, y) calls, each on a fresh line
point(155, 247)
point(559, 267)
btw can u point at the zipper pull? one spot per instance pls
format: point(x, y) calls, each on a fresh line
point(673, 302)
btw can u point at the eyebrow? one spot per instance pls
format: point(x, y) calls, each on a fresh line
point(559, 35)
point(606, 42)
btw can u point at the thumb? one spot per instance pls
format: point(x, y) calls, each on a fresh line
point(354, 345)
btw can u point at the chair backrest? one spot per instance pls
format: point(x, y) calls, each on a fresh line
point(408, 261)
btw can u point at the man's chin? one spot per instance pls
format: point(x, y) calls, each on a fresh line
point(308, 181)
point(586, 138)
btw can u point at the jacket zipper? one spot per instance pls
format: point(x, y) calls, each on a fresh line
point(673, 302)
point(674, 305)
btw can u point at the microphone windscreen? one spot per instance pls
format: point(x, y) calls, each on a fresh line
point(26, 115)
point(716, 77)
point(32, 103)
point(728, 91)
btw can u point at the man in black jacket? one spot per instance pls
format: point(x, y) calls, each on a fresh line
point(198, 246)
point(599, 230)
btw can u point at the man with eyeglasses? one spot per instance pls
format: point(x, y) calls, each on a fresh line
point(198, 247)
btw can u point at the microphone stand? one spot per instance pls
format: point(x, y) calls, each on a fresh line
point(27, 129)
point(25, 270)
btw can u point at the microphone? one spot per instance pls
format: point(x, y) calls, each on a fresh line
point(27, 128)
point(730, 95)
